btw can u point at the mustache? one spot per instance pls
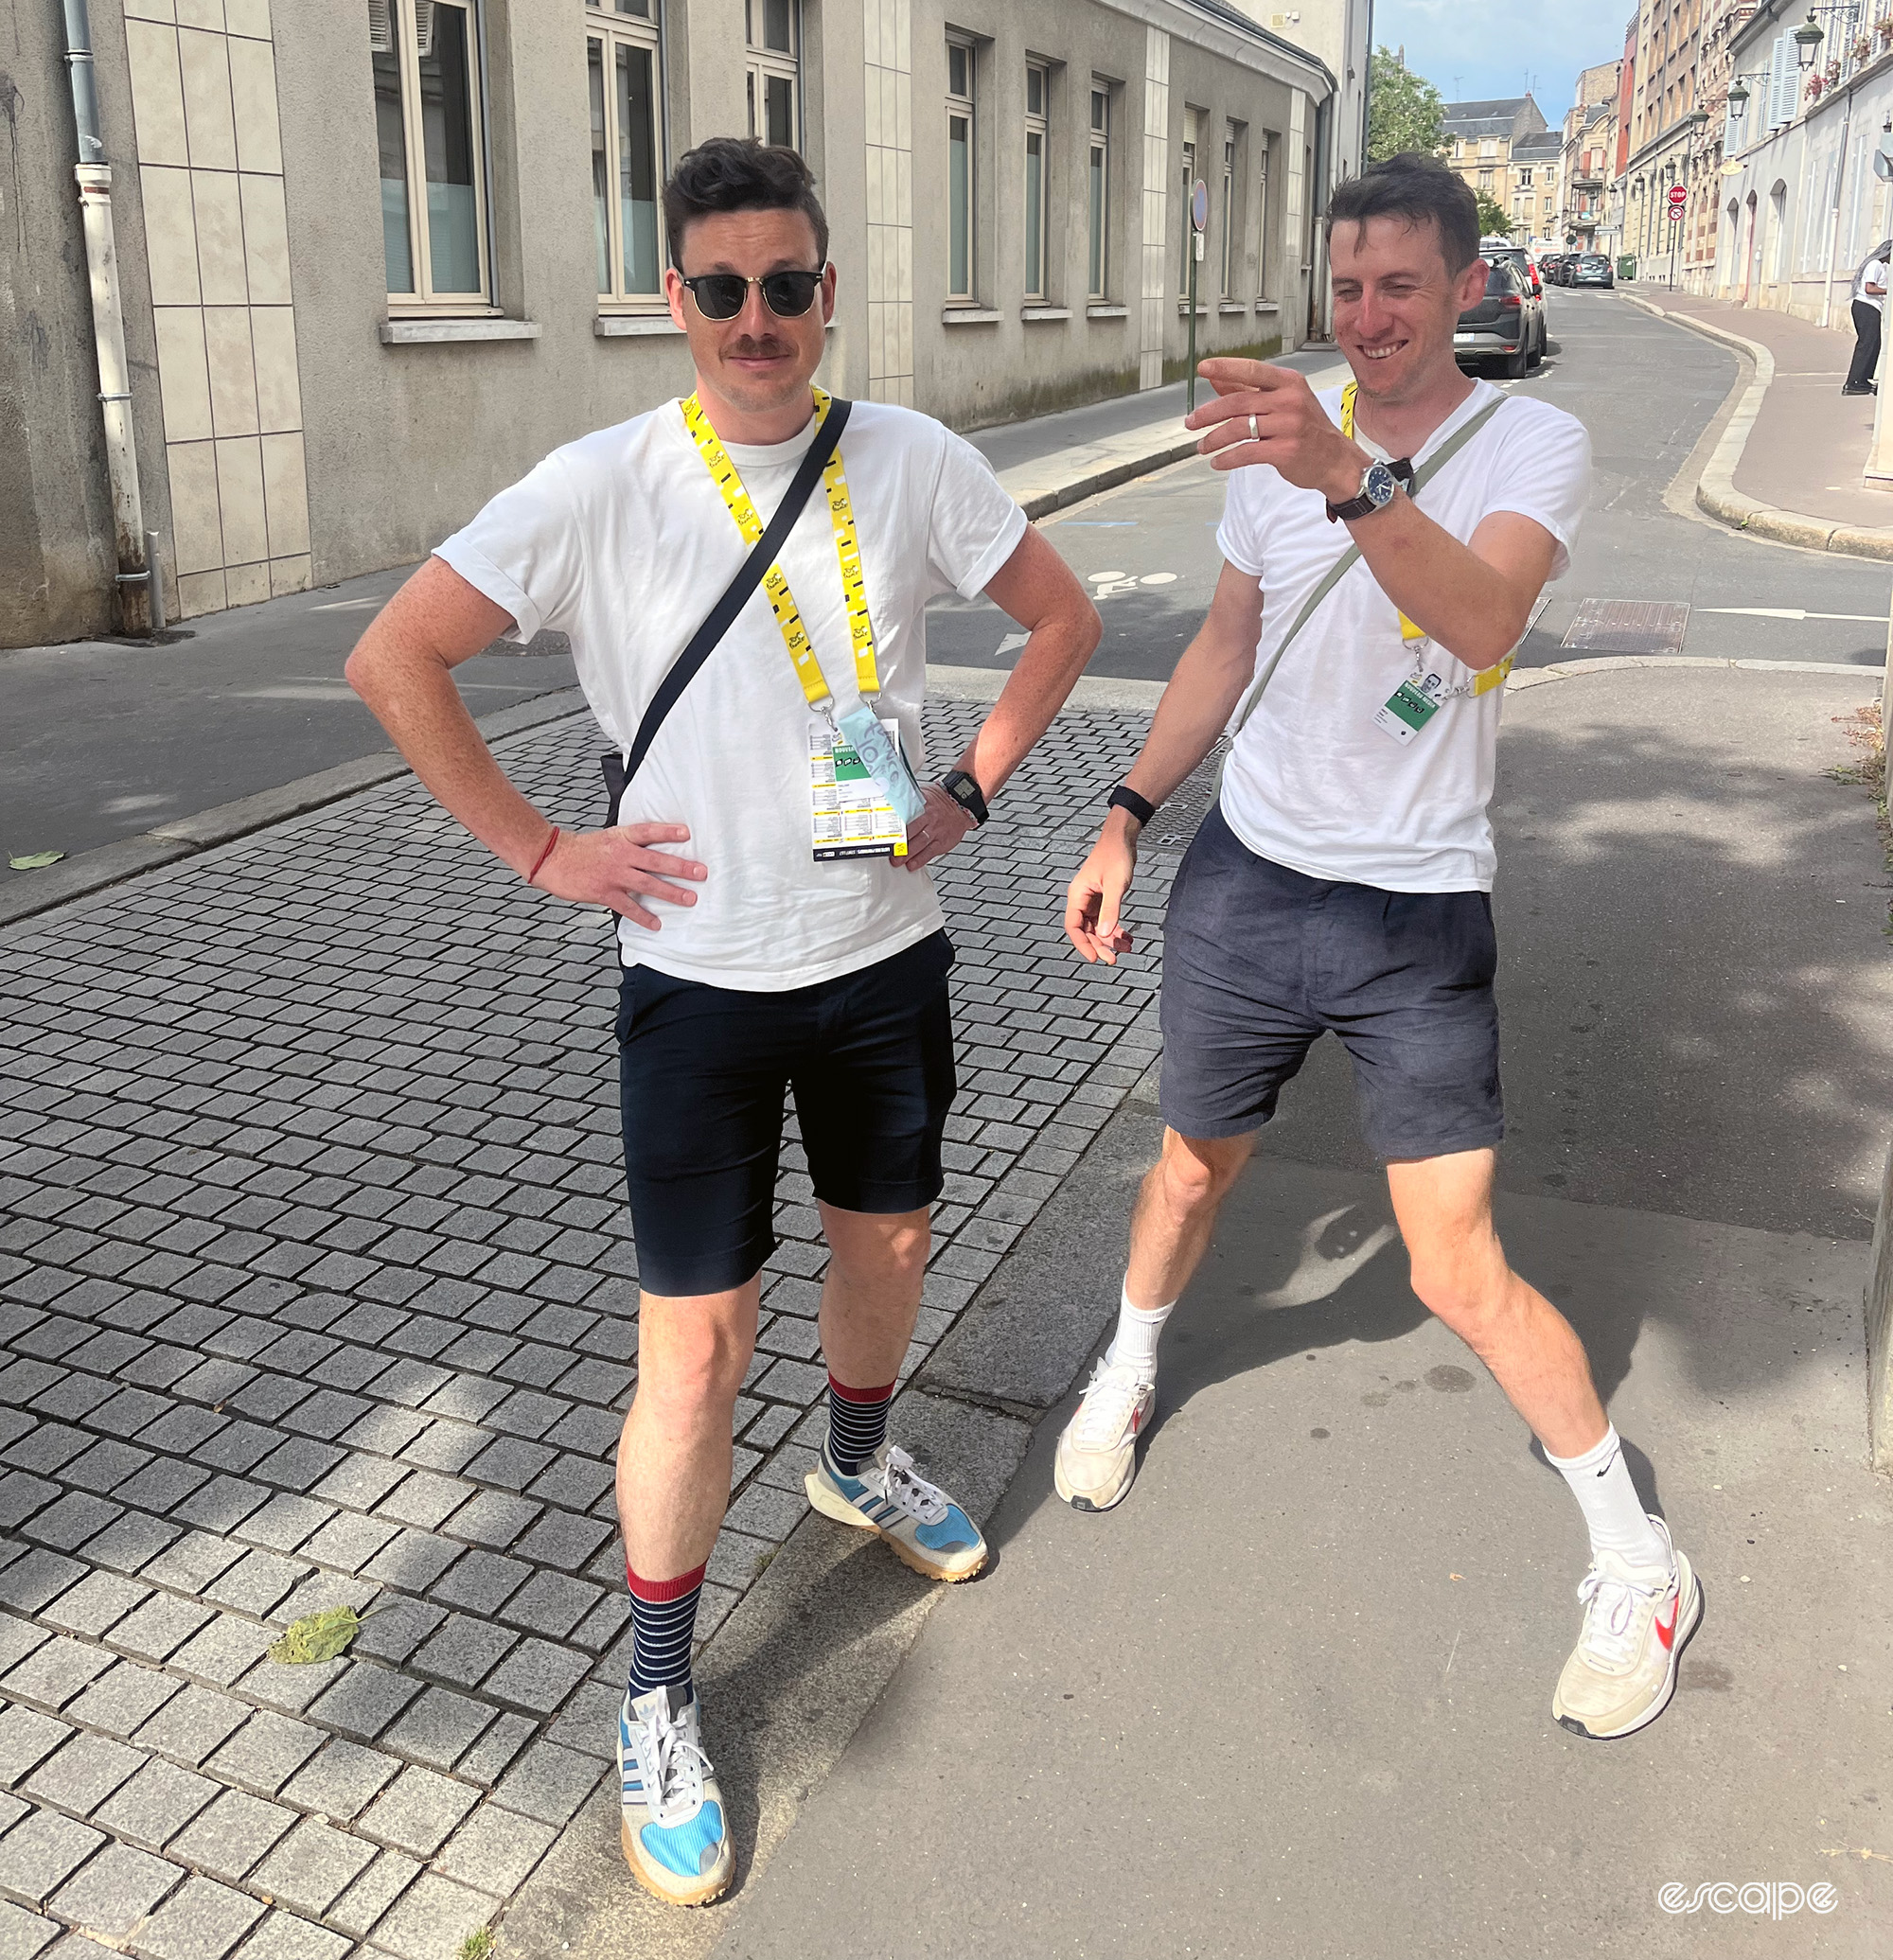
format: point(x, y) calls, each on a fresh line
point(768, 348)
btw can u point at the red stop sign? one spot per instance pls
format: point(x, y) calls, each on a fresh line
point(1678, 194)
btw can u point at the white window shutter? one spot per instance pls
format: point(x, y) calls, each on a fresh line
point(382, 26)
point(423, 27)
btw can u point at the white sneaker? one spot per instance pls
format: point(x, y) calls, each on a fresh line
point(923, 1525)
point(1097, 1453)
point(1623, 1670)
point(673, 1829)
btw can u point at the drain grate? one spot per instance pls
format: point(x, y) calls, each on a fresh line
point(1628, 625)
point(1184, 809)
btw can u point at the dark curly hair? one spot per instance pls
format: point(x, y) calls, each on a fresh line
point(1418, 190)
point(737, 174)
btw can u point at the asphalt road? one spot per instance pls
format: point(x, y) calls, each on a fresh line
point(1646, 390)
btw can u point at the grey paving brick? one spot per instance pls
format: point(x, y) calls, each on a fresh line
point(257, 1583)
point(42, 1851)
point(113, 1894)
point(224, 1651)
point(339, 1780)
point(121, 1700)
point(360, 1480)
point(445, 1446)
point(202, 1920)
point(395, 1629)
point(563, 1540)
point(493, 1518)
point(24, 1935)
point(548, 1782)
point(192, 1724)
point(439, 1728)
point(26, 1736)
point(193, 1563)
point(54, 1673)
point(536, 1677)
point(424, 1499)
point(265, 1753)
point(588, 1720)
point(480, 1583)
point(765, 1512)
point(96, 1604)
point(132, 1543)
point(311, 1867)
point(69, 1521)
point(221, 1504)
point(285, 1522)
point(417, 1812)
point(287, 1936)
point(83, 1774)
point(366, 1699)
point(489, 1757)
point(18, 1638)
point(370, 1897)
point(495, 1849)
point(289, 1688)
point(158, 1802)
point(228, 1838)
point(158, 1628)
point(434, 1919)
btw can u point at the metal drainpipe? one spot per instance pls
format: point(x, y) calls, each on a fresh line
point(133, 598)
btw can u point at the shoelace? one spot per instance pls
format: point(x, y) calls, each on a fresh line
point(1109, 1396)
point(674, 1769)
point(1614, 1612)
point(899, 1484)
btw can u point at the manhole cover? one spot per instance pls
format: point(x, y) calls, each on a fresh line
point(1176, 820)
point(1628, 625)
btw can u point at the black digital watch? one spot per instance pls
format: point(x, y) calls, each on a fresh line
point(966, 792)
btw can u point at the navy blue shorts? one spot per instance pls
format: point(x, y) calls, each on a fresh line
point(702, 1073)
point(1259, 962)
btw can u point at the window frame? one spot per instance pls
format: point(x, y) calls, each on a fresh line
point(1231, 144)
point(420, 300)
point(964, 108)
point(608, 26)
point(1037, 123)
point(1098, 193)
point(1189, 240)
point(1266, 149)
point(761, 64)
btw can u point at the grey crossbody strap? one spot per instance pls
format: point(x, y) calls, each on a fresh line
point(1345, 563)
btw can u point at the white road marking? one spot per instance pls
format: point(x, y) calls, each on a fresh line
point(350, 605)
point(1011, 643)
point(1869, 619)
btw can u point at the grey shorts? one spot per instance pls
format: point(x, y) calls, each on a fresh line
point(1259, 962)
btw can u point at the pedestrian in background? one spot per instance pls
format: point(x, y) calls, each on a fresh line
point(1869, 295)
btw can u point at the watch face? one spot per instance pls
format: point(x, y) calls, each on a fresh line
point(1378, 485)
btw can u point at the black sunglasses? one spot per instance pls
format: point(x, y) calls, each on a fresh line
point(720, 295)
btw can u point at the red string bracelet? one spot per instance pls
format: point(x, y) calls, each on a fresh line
point(540, 860)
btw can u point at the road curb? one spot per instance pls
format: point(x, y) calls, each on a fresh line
point(112, 864)
point(1108, 476)
point(1716, 492)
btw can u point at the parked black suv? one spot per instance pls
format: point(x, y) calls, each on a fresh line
point(1508, 323)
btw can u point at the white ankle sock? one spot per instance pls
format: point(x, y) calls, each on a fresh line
point(1600, 1481)
point(1136, 1339)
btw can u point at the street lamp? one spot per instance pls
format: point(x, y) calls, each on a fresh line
point(1807, 39)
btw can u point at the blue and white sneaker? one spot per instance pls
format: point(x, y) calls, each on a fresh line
point(925, 1528)
point(675, 1830)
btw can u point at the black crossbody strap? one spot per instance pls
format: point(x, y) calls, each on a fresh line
point(619, 769)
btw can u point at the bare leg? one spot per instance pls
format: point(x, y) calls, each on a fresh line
point(1176, 1211)
point(674, 1457)
point(872, 1294)
point(1443, 1206)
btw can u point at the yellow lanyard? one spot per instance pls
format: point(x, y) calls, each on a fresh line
point(802, 654)
point(1482, 682)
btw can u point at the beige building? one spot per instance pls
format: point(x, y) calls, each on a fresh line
point(1589, 152)
point(1505, 151)
point(1670, 143)
point(374, 257)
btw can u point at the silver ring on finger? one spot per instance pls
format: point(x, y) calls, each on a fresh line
point(1254, 434)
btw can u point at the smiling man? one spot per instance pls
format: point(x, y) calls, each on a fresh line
point(1384, 545)
point(766, 858)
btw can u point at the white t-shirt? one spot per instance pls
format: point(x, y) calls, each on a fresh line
point(623, 541)
point(1872, 273)
point(1310, 782)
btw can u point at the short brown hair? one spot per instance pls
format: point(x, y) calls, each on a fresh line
point(1419, 190)
point(737, 174)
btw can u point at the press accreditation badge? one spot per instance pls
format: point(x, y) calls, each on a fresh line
point(1412, 706)
point(849, 813)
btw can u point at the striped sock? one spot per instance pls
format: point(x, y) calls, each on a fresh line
point(664, 1625)
point(858, 1421)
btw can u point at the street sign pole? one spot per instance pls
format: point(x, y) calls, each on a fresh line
point(1199, 219)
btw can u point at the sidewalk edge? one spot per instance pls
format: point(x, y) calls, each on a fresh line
point(1108, 477)
point(1716, 492)
point(184, 836)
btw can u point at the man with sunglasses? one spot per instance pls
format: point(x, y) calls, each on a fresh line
point(777, 932)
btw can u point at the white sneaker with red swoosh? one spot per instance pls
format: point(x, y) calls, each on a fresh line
point(1097, 1453)
point(1623, 1669)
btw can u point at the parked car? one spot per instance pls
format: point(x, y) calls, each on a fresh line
point(1557, 268)
point(1496, 249)
point(1508, 323)
point(1593, 269)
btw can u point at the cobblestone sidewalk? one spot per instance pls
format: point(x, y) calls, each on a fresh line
point(317, 1286)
